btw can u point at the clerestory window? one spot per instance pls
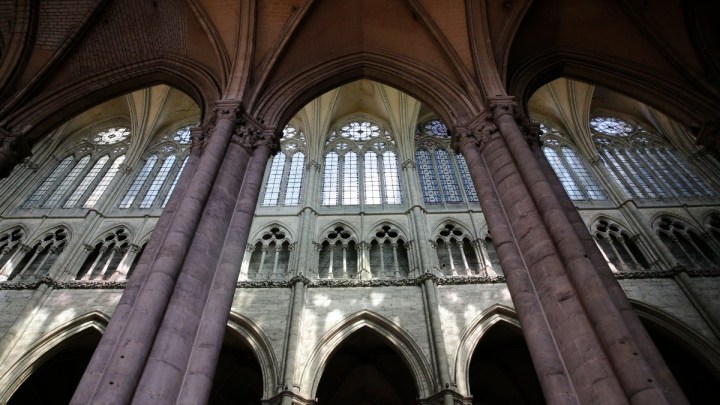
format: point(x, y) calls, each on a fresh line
point(156, 178)
point(569, 167)
point(444, 176)
point(361, 167)
point(283, 185)
point(82, 178)
point(643, 163)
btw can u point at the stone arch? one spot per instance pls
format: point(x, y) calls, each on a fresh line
point(354, 233)
point(261, 346)
point(379, 223)
point(688, 107)
point(281, 100)
point(471, 338)
point(273, 224)
point(48, 110)
point(396, 336)
point(46, 347)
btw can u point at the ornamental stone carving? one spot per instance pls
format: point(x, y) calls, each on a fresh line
point(480, 135)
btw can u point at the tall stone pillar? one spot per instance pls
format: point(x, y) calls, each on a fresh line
point(551, 370)
point(639, 368)
point(166, 368)
point(214, 311)
point(118, 361)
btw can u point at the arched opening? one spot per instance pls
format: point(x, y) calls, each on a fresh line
point(501, 370)
point(365, 369)
point(55, 378)
point(238, 376)
point(698, 379)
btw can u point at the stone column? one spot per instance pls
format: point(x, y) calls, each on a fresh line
point(289, 390)
point(538, 324)
point(193, 299)
point(441, 359)
point(640, 367)
point(119, 359)
point(208, 336)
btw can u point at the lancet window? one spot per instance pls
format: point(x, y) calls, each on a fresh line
point(284, 182)
point(269, 256)
point(643, 163)
point(81, 179)
point(10, 245)
point(111, 258)
point(35, 260)
point(570, 168)
point(361, 167)
point(338, 254)
point(388, 253)
point(620, 249)
point(444, 176)
point(687, 245)
point(457, 252)
point(156, 178)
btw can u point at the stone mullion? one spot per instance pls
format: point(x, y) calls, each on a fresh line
point(124, 265)
point(164, 368)
point(214, 312)
point(624, 245)
point(480, 247)
point(643, 378)
point(261, 265)
point(16, 255)
point(623, 265)
point(129, 335)
point(697, 249)
point(91, 269)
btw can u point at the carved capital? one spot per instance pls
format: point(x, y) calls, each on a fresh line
point(408, 164)
point(135, 248)
point(250, 136)
point(124, 168)
point(502, 109)
point(313, 165)
point(596, 160)
point(88, 248)
point(480, 136)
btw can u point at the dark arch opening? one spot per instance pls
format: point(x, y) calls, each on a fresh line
point(55, 380)
point(365, 369)
point(501, 370)
point(698, 379)
point(238, 376)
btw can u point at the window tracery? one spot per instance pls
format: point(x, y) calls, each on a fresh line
point(37, 259)
point(567, 164)
point(110, 258)
point(457, 252)
point(80, 179)
point(338, 255)
point(686, 244)
point(10, 244)
point(269, 256)
point(361, 147)
point(444, 177)
point(285, 172)
point(619, 248)
point(156, 179)
point(388, 253)
point(643, 163)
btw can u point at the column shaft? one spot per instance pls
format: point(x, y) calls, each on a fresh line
point(209, 335)
point(117, 363)
point(549, 366)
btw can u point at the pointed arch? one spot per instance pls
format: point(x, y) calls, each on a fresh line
point(46, 347)
point(261, 346)
point(471, 337)
point(397, 337)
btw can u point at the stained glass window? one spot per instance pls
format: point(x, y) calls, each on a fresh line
point(85, 183)
point(104, 183)
point(139, 181)
point(393, 194)
point(68, 181)
point(160, 177)
point(350, 183)
point(48, 182)
point(465, 177)
point(111, 136)
point(272, 189)
point(643, 163)
point(574, 176)
point(372, 179)
point(331, 178)
point(295, 177)
point(174, 182)
point(426, 172)
point(448, 179)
